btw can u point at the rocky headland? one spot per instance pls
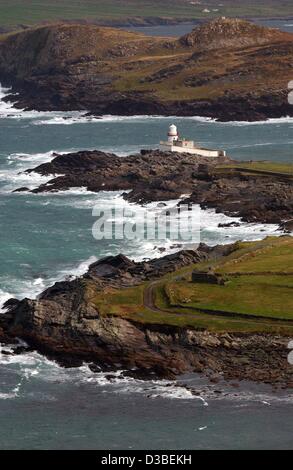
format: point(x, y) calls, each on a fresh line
point(233, 188)
point(66, 323)
point(110, 71)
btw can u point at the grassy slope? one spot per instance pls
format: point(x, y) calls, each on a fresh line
point(218, 75)
point(264, 289)
point(262, 166)
point(158, 71)
point(14, 12)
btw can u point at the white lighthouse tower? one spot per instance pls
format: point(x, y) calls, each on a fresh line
point(174, 144)
point(172, 134)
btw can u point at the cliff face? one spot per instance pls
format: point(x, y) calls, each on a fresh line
point(66, 323)
point(230, 69)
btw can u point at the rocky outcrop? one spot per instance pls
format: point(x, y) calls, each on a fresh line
point(64, 323)
point(229, 33)
point(110, 71)
point(253, 198)
point(151, 175)
point(158, 176)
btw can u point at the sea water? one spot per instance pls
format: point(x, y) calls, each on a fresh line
point(185, 28)
point(48, 237)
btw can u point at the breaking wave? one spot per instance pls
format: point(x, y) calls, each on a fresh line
point(31, 288)
point(31, 370)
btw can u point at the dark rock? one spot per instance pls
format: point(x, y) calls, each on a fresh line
point(75, 66)
point(287, 226)
point(159, 176)
point(230, 224)
point(21, 190)
point(65, 325)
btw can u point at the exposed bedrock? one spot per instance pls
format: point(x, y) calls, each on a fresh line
point(158, 176)
point(65, 324)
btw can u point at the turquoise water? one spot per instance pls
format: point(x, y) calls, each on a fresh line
point(44, 238)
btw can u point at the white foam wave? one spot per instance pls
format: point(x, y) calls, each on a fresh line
point(37, 370)
point(282, 120)
point(67, 120)
point(13, 180)
point(81, 117)
point(15, 176)
point(31, 288)
point(9, 111)
point(212, 234)
point(32, 367)
point(32, 157)
point(4, 296)
point(140, 249)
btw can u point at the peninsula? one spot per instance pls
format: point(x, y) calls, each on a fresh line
point(103, 70)
point(225, 311)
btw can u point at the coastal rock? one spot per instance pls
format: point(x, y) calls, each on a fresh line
point(153, 175)
point(67, 67)
point(65, 324)
point(227, 33)
point(287, 226)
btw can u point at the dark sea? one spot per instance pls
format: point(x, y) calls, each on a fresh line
point(44, 238)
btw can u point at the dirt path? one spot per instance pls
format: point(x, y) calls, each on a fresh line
point(149, 303)
point(149, 298)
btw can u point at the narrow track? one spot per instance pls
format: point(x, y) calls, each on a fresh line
point(149, 303)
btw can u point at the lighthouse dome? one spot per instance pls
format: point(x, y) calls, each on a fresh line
point(172, 130)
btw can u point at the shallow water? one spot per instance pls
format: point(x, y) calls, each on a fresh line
point(44, 238)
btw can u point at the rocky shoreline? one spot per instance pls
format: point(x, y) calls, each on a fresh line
point(246, 108)
point(65, 324)
point(68, 67)
point(153, 175)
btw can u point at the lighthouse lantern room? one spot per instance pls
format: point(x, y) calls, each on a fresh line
point(172, 134)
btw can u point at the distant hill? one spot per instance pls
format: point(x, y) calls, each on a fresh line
point(231, 33)
point(227, 68)
point(28, 12)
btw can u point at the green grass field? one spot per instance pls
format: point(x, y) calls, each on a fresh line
point(262, 166)
point(257, 296)
point(17, 12)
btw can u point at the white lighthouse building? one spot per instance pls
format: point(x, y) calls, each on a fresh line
point(172, 134)
point(176, 144)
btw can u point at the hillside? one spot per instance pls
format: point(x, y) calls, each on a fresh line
point(235, 318)
point(15, 12)
point(224, 33)
point(110, 71)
